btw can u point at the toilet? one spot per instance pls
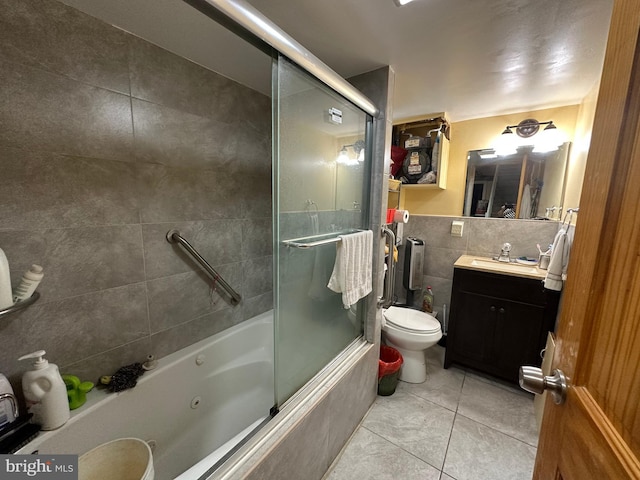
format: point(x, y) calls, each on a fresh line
point(411, 332)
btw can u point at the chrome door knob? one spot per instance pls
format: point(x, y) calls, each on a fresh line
point(533, 380)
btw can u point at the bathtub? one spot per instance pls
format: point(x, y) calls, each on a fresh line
point(193, 406)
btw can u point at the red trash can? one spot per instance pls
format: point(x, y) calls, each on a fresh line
point(388, 370)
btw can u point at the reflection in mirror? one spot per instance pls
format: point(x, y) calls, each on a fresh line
point(527, 184)
point(350, 173)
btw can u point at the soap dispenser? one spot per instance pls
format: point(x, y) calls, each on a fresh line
point(45, 392)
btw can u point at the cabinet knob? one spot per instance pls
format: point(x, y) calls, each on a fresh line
point(501, 310)
point(493, 309)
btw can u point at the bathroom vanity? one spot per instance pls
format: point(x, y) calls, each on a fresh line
point(500, 316)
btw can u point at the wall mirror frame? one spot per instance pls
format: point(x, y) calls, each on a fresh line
point(524, 185)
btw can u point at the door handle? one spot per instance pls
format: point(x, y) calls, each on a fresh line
point(533, 380)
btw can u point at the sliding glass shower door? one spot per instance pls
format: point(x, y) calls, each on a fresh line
point(321, 180)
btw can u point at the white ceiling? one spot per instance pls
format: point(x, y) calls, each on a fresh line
point(469, 58)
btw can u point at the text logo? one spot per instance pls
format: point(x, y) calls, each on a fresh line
point(45, 467)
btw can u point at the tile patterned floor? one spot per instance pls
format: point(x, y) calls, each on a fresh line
point(458, 425)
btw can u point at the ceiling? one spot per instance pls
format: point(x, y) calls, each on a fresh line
point(469, 58)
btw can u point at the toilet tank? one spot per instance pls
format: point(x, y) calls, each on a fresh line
point(413, 263)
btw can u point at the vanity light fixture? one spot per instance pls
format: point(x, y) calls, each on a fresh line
point(343, 156)
point(529, 127)
point(549, 141)
point(345, 159)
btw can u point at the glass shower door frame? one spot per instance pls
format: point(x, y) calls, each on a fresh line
point(284, 359)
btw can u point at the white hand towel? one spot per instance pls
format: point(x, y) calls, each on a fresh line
point(557, 271)
point(525, 205)
point(352, 271)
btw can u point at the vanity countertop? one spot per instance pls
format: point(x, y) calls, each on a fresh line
point(486, 264)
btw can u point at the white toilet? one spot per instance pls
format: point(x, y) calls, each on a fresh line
point(410, 332)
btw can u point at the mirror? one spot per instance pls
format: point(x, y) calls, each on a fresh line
point(526, 184)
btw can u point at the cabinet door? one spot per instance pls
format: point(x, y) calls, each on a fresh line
point(472, 331)
point(518, 336)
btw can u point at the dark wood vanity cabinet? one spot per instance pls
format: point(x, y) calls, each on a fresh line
point(498, 322)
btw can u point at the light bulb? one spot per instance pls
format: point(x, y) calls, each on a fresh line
point(506, 144)
point(343, 156)
point(548, 140)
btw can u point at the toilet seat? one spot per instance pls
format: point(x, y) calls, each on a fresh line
point(411, 321)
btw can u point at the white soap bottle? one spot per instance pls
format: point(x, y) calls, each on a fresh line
point(28, 284)
point(45, 393)
point(5, 282)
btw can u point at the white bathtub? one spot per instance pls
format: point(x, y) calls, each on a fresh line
point(188, 410)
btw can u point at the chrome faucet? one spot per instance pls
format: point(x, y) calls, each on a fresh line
point(504, 253)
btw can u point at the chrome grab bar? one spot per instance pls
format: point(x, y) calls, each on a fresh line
point(387, 297)
point(173, 236)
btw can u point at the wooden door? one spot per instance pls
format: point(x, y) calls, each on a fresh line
point(596, 433)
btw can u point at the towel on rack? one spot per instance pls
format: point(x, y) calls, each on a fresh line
point(525, 206)
point(352, 270)
point(557, 271)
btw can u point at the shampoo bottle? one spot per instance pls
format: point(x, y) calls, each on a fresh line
point(5, 282)
point(28, 284)
point(45, 393)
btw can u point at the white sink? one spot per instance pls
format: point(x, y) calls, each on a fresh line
point(504, 266)
point(487, 264)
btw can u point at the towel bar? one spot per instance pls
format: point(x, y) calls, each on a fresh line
point(298, 243)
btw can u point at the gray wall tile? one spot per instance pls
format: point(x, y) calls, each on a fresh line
point(303, 453)
point(487, 236)
point(438, 262)
point(107, 363)
point(164, 78)
point(179, 194)
point(94, 211)
point(258, 276)
point(358, 390)
point(257, 237)
point(47, 190)
point(75, 328)
point(180, 298)
point(54, 37)
point(180, 139)
point(253, 306)
point(253, 196)
point(481, 236)
point(69, 117)
point(168, 341)
point(77, 260)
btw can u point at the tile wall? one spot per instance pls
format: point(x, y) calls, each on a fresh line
point(106, 143)
point(480, 236)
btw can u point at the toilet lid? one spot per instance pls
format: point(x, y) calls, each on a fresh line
point(411, 320)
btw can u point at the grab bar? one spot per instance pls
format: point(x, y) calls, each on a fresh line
point(173, 236)
point(387, 298)
point(296, 243)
